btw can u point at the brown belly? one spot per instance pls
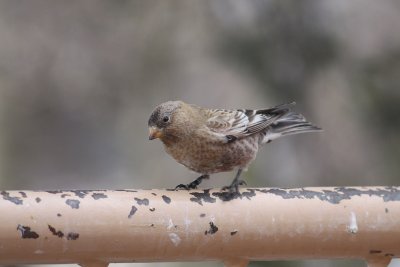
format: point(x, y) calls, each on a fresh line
point(205, 157)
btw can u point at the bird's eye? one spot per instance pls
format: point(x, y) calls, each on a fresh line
point(165, 119)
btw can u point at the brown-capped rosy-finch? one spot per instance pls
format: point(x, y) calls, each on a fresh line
point(216, 140)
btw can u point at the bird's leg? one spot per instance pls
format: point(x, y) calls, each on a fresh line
point(234, 187)
point(194, 184)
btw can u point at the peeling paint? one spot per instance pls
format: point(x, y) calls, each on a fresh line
point(73, 203)
point(53, 230)
point(132, 212)
point(200, 197)
point(175, 239)
point(213, 229)
point(336, 195)
point(166, 199)
point(15, 200)
point(143, 201)
point(72, 236)
point(171, 224)
point(26, 232)
point(97, 196)
point(352, 227)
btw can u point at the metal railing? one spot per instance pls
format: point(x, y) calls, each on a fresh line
point(97, 227)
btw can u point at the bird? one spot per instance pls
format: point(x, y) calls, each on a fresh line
point(209, 141)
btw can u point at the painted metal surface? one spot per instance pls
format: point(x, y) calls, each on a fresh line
point(102, 226)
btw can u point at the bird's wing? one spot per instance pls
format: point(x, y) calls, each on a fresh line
point(236, 124)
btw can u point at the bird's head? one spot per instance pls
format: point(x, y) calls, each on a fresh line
point(162, 120)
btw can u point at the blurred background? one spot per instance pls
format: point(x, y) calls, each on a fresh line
point(79, 79)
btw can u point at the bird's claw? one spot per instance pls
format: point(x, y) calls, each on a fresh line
point(234, 186)
point(192, 185)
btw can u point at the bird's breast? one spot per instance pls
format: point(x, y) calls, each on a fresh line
point(208, 156)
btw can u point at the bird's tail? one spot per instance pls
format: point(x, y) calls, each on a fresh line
point(290, 123)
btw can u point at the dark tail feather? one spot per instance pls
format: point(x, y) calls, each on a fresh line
point(290, 123)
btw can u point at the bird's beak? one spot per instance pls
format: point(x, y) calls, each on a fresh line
point(154, 133)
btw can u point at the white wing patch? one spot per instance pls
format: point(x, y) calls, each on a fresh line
point(238, 123)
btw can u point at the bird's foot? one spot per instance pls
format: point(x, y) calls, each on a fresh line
point(194, 184)
point(233, 189)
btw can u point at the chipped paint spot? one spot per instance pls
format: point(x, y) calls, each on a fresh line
point(73, 203)
point(126, 190)
point(154, 194)
point(38, 199)
point(59, 215)
point(336, 195)
point(175, 239)
point(234, 232)
point(171, 224)
point(23, 194)
point(373, 251)
point(352, 227)
point(166, 199)
point(143, 201)
point(97, 196)
point(386, 210)
point(202, 215)
point(200, 197)
point(26, 232)
point(81, 193)
point(213, 229)
point(72, 236)
point(132, 212)
point(15, 200)
point(53, 230)
point(152, 209)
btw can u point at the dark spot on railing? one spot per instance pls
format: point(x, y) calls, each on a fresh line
point(154, 194)
point(81, 193)
point(132, 212)
point(53, 230)
point(38, 199)
point(15, 200)
point(213, 229)
point(152, 209)
point(234, 232)
point(73, 203)
point(204, 196)
point(372, 251)
point(389, 255)
point(126, 190)
point(166, 199)
point(59, 215)
point(65, 195)
point(386, 210)
point(72, 236)
point(26, 232)
point(143, 201)
point(54, 191)
point(97, 196)
point(336, 195)
point(202, 215)
point(23, 194)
